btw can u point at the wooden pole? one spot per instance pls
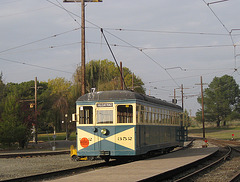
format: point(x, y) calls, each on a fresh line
point(83, 47)
point(203, 121)
point(121, 75)
point(132, 81)
point(36, 124)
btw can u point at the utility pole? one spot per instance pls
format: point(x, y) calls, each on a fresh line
point(83, 57)
point(182, 96)
point(121, 76)
point(36, 124)
point(174, 97)
point(83, 47)
point(203, 119)
point(132, 81)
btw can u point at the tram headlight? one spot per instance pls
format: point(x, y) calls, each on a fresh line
point(104, 131)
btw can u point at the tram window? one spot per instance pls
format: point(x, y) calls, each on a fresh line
point(86, 115)
point(142, 114)
point(137, 113)
point(104, 116)
point(125, 114)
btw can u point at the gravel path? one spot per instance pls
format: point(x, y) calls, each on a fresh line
point(19, 167)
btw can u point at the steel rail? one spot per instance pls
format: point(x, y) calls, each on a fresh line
point(65, 172)
point(187, 177)
point(54, 174)
point(31, 154)
point(236, 177)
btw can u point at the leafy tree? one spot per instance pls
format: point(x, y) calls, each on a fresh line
point(220, 99)
point(11, 128)
point(104, 75)
point(60, 91)
point(2, 87)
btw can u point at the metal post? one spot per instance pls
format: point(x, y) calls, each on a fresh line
point(66, 123)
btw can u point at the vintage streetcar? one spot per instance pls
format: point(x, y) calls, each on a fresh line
point(122, 123)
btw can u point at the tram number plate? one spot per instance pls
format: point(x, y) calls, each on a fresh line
point(124, 138)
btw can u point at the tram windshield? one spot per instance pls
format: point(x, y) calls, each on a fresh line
point(104, 116)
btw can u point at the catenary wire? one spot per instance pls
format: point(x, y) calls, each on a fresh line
point(34, 65)
point(36, 41)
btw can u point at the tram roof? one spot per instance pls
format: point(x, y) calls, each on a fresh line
point(123, 95)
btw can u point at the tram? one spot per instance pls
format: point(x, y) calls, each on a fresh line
point(122, 123)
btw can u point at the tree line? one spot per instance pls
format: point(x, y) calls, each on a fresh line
point(55, 98)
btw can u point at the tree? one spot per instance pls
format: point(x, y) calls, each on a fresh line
point(220, 99)
point(2, 88)
point(60, 91)
point(12, 129)
point(104, 75)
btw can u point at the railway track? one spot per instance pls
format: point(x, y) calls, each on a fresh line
point(61, 173)
point(73, 170)
point(33, 154)
point(225, 168)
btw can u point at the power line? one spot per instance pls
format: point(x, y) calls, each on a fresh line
point(166, 31)
point(24, 12)
point(122, 41)
point(36, 41)
point(221, 22)
point(180, 78)
point(34, 65)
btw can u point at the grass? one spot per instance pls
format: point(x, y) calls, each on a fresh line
point(224, 133)
point(59, 136)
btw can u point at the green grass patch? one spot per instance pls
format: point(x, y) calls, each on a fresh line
point(224, 133)
point(59, 136)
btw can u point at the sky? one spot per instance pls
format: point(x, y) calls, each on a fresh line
point(166, 43)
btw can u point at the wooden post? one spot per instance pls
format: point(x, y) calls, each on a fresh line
point(83, 47)
point(203, 121)
point(36, 124)
point(121, 75)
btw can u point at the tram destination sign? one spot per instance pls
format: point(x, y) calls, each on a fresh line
point(104, 104)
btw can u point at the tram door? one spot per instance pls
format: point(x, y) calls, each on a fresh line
point(106, 131)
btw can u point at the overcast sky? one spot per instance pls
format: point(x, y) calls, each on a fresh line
point(165, 42)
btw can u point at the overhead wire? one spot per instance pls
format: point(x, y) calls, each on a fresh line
point(124, 42)
point(36, 41)
point(34, 65)
point(165, 31)
point(224, 26)
point(129, 45)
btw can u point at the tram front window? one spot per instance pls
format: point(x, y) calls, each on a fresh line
point(104, 116)
point(86, 115)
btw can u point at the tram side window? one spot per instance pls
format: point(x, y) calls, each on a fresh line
point(125, 114)
point(137, 113)
point(86, 115)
